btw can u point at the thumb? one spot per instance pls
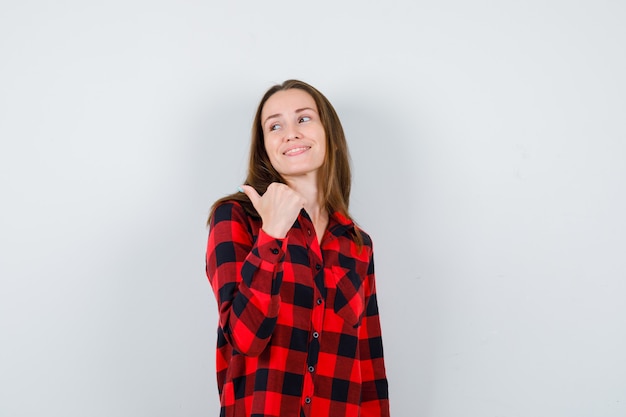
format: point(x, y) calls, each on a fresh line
point(251, 193)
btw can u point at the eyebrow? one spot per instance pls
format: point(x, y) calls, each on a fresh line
point(279, 114)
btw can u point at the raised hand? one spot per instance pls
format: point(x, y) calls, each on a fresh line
point(278, 207)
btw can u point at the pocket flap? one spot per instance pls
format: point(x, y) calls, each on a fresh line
point(349, 296)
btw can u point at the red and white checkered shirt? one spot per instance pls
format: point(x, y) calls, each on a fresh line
point(299, 332)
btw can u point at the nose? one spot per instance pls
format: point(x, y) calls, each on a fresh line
point(292, 132)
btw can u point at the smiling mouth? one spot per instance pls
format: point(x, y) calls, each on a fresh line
point(296, 151)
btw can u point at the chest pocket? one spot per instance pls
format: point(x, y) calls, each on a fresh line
point(349, 302)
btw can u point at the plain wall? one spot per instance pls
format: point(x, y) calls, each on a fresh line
point(489, 152)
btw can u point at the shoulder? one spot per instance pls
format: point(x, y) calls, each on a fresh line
point(227, 210)
point(345, 226)
point(226, 207)
point(366, 238)
point(230, 221)
point(235, 204)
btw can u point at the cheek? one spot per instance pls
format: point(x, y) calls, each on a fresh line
point(269, 146)
point(324, 144)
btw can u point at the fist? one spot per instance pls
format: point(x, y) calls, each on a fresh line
point(278, 207)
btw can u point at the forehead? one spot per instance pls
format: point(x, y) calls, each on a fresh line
point(288, 101)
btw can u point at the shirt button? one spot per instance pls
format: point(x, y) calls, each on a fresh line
point(275, 251)
point(308, 231)
point(316, 335)
point(319, 301)
point(318, 266)
point(311, 368)
point(307, 400)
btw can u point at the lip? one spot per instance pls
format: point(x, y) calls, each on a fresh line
point(296, 150)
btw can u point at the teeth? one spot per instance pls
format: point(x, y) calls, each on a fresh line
point(290, 151)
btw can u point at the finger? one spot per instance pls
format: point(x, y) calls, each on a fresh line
point(251, 193)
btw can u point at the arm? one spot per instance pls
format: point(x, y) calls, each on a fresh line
point(246, 277)
point(374, 390)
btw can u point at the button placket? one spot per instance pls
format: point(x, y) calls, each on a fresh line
point(317, 313)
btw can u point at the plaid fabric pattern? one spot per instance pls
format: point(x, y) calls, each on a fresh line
point(299, 332)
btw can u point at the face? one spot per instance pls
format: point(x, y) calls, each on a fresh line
point(294, 136)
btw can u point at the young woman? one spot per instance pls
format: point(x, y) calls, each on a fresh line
point(299, 332)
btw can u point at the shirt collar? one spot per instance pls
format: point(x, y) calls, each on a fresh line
point(338, 224)
point(341, 219)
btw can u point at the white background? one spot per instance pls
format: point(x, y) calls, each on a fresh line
point(489, 147)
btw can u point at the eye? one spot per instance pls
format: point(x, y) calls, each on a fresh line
point(274, 126)
point(304, 119)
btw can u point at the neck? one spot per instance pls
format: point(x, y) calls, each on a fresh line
point(308, 189)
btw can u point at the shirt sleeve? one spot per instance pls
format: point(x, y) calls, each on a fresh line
point(374, 394)
point(245, 275)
